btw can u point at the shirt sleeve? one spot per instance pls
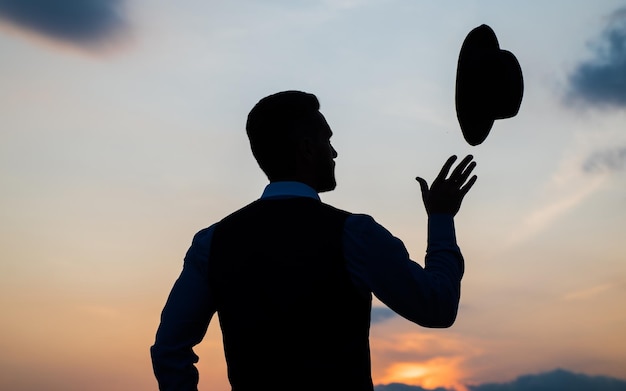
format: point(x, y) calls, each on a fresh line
point(184, 320)
point(379, 263)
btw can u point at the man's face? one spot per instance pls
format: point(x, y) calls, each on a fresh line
point(324, 155)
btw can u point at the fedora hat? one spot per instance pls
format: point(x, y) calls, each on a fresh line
point(489, 84)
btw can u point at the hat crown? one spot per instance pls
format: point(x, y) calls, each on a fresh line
point(489, 84)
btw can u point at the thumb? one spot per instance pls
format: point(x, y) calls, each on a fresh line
point(423, 187)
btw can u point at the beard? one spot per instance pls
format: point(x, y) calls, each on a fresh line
point(327, 181)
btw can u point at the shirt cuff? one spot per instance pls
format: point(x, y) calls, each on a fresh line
point(441, 229)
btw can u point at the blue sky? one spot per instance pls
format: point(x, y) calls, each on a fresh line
point(123, 135)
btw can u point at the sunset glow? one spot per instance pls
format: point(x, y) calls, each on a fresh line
point(438, 372)
point(123, 136)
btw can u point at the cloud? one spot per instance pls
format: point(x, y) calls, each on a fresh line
point(440, 372)
point(83, 22)
point(587, 293)
point(602, 80)
point(587, 167)
point(558, 379)
point(606, 160)
point(381, 314)
point(570, 196)
point(422, 358)
point(405, 387)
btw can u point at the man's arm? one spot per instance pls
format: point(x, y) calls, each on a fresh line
point(379, 262)
point(184, 321)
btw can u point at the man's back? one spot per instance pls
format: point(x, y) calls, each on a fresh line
point(289, 312)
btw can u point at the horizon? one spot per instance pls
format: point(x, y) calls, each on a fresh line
point(556, 379)
point(123, 135)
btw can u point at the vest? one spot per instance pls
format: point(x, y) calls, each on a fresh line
point(290, 315)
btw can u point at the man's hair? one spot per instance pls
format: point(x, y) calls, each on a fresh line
point(274, 126)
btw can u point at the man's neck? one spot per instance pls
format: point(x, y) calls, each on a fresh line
point(289, 189)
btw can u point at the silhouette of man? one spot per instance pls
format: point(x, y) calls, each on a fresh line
point(292, 278)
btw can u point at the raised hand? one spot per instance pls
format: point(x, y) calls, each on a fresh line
point(446, 195)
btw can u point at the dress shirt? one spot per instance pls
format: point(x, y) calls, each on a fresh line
point(377, 262)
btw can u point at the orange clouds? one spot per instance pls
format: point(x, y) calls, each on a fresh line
point(426, 358)
point(437, 372)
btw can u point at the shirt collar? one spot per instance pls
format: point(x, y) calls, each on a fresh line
point(289, 189)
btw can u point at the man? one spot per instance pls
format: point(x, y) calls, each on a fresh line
point(292, 278)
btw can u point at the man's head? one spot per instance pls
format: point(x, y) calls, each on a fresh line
point(290, 140)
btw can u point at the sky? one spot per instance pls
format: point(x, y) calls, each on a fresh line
point(123, 135)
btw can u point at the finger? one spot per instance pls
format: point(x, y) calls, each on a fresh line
point(468, 185)
point(465, 174)
point(423, 187)
point(446, 168)
point(458, 171)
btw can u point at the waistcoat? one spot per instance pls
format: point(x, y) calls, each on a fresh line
point(290, 315)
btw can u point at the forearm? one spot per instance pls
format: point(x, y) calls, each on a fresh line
point(184, 321)
point(444, 266)
point(174, 369)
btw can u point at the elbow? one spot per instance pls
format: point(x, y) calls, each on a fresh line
point(432, 308)
point(442, 319)
point(446, 321)
point(434, 321)
point(444, 308)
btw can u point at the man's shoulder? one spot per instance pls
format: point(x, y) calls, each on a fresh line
point(204, 235)
point(364, 225)
point(334, 209)
point(357, 224)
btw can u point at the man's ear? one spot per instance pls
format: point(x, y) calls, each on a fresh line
point(307, 148)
